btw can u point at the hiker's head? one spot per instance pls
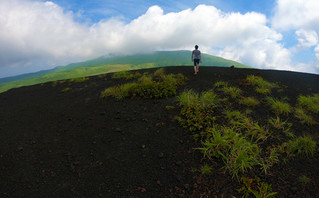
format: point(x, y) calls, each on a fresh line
point(196, 46)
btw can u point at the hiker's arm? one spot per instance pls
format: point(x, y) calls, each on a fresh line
point(200, 56)
point(192, 56)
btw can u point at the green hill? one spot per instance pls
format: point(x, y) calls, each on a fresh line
point(112, 64)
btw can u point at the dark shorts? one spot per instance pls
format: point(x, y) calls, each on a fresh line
point(196, 62)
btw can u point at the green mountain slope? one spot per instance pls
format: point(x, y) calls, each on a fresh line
point(113, 64)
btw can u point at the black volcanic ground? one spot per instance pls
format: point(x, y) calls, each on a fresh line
point(76, 144)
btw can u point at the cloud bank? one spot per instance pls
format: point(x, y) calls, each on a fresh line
point(301, 16)
point(37, 35)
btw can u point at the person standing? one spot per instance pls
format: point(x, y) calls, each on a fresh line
point(196, 58)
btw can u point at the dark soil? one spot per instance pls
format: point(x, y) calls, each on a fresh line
point(76, 144)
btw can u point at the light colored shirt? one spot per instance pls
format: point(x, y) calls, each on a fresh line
point(196, 54)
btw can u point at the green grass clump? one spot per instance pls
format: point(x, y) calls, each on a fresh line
point(220, 84)
point(66, 90)
point(238, 154)
point(267, 162)
point(233, 92)
point(206, 170)
point(248, 101)
point(263, 90)
point(188, 98)
point(310, 103)
point(169, 107)
point(147, 87)
point(196, 117)
point(78, 80)
point(205, 99)
point(256, 188)
point(126, 75)
point(301, 145)
point(159, 73)
point(262, 86)
point(301, 114)
point(303, 179)
point(209, 98)
point(277, 123)
point(279, 107)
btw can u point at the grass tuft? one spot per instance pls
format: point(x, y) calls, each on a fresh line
point(147, 87)
point(279, 107)
point(263, 87)
point(248, 101)
point(233, 92)
point(206, 170)
point(66, 90)
point(188, 98)
point(301, 145)
point(311, 103)
point(301, 114)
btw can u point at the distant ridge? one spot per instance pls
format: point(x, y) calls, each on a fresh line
point(106, 64)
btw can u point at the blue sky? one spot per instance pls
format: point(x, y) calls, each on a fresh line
point(97, 10)
point(267, 34)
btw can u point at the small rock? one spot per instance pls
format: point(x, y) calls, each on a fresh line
point(118, 130)
point(161, 155)
point(181, 141)
point(20, 148)
point(143, 146)
point(76, 163)
point(178, 163)
point(143, 190)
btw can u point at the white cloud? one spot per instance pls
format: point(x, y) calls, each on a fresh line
point(307, 38)
point(301, 16)
point(35, 33)
point(296, 14)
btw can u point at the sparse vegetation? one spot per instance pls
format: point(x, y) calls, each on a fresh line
point(310, 103)
point(303, 117)
point(262, 86)
point(206, 170)
point(303, 179)
point(233, 92)
point(236, 138)
point(279, 107)
point(78, 80)
point(240, 133)
point(301, 145)
point(220, 84)
point(147, 86)
point(248, 101)
point(66, 90)
point(188, 98)
point(209, 99)
point(256, 188)
point(126, 75)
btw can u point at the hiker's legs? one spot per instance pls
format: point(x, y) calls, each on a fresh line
point(196, 65)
